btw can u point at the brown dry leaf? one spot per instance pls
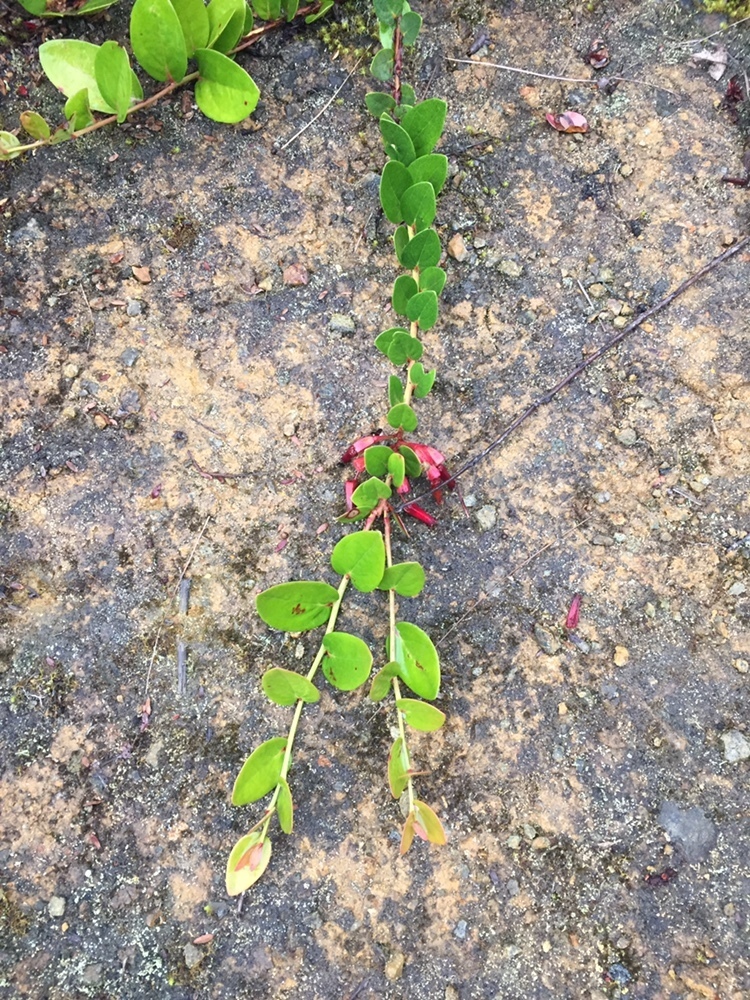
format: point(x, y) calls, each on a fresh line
point(142, 274)
point(716, 58)
point(568, 121)
point(295, 275)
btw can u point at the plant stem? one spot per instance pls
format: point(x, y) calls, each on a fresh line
point(286, 763)
point(413, 330)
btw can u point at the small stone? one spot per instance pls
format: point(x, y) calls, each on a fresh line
point(728, 239)
point(614, 306)
point(606, 273)
point(546, 947)
point(626, 436)
point(295, 275)
point(695, 831)
point(289, 430)
point(546, 641)
point(513, 887)
point(597, 290)
point(741, 666)
point(480, 244)
point(460, 930)
point(133, 307)
point(605, 540)
point(457, 248)
point(541, 843)
point(649, 610)
point(486, 517)
point(71, 371)
point(56, 906)
point(101, 421)
point(620, 322)
point(129, 356)
point(737, 589)
point(621, 657)
point(562, 708)
point(394, 967)
point(341, 323)
point(736, 746)
point(69, 412)
point(513, 842)
point(529, 831)
point(603, 497)
point(193, 956)
point(266, 284)
point(626, 170)
point(510, 268)
point(451, 993)
point(92, 974)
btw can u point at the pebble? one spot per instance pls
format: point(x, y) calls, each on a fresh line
point(56, 906)
point(541, 843)
point(605, 540)
point(394, 967)
point(513, 887)
point(691, 827)
point(597, 290)
point(529, 831)
point(620, 322)
point(486, 517)
point(457, 248)
point(737, 589)
point(100, 421)
point(513, 842)
point(546, 641)
point(129, 356)
point(341, 323)
point(71, 371)
point(133, 307)
point(621, 657)
point(461, 929)
point(510, 268)
point(562, 708)
point(193, 956)
point(626, 436)
point(736, 746)
point(626, 170)
point(603, 497)
point(451, 993)
point(741, 666)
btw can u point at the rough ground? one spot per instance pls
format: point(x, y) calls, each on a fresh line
point(574, 778)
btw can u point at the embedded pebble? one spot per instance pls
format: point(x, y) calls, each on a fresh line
point(737, 589)
point(736, 746)
point(605, 540)
point(626, 170)
point(510, 268)
point(541, 843)
point(56, 906)
point(621, 657)
point(71, 371)
point(620, 322)
point(513, 842)
point(546, 641)
point(626, 436)
point(394, 967)
point(457, 248)
point(603, 497)
point(597, 290)
point(562, 708)
point(461, 929)
point(193, 956)
point(133, 307)
point(129, 356)
point(486, 517)
point(341, 323)
point(741, 666)
point(529, 831)
point(691, 827)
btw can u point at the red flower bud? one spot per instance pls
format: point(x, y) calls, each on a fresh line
point(416, 511)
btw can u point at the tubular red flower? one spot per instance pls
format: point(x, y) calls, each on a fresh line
point(420, 514)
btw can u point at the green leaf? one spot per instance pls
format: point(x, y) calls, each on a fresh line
point(394, 181)
point(398, 768)
point(324, 8)
point(404, 348)
point(407, 579)
point(260, 772)
point(376, 459)
point(402, 415)
point(224, 92)
point(408, 97)
point(424, 124)
point(410, 25)
point(94, 5)
point(348, 663)
point(381, 66)
point(285, 806)
point(284, 687)
point(247, 862)
point(193, 18)
point(114, 78)
point(426, 824)
point(247, 27)
point(387, 10)
point(433, 168)
point(61, 134)
point(35, 125)
point(422, 308)
point(361, 557)
point(69, 64)
point(157, 40)
point(226, 19)
point(418, 205)
point(384, 340)
point(422, 251)
point(413, 465)
point(398, 143)
point(296, 606)
point(36, 7)
point(290, 8)
point(77, 110)
point(7, 143)
point(421, 380)
point(400, 240)
point(407, 836)
point(377, 102)
point(396, 469)
point(432, 279)
point(395, 390)
point(421, 716)
point(404, 287)
point(267, 10)
point(381, 682)
point(419, 664)
point(367, 496)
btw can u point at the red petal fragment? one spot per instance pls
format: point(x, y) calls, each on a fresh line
point(414, 510)
point(598, 53)
point(568, 121)
point(574, 611)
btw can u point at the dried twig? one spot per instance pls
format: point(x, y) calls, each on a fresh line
point(548, 396)
point(322, 111)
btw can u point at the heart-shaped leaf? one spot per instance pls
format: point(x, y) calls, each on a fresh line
point(348, 662)
point(407, 579)
point(421, 716)
point(284, 687)
point(422, 251)
point(404, 288)
point(394, 181)
point(424, 125)
point(398, 144)
point(433, 168)
point(361, 557)
point(402, 415)
point(422, 308)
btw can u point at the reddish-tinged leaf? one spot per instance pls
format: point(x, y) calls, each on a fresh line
point(574, 612)
point(408, 835)
point(598, 53)
point(250, 859)
point(568, 121)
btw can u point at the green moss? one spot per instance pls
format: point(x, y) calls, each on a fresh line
point(734, 8)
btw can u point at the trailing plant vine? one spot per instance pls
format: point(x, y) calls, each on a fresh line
point(165, 37)
point(385, 465)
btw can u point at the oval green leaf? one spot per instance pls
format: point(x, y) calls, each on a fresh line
point(284, 687)
point(247, 862)
point(157, 40)
point(376, 459)
point(421, 716)
point(422, 381)
point(114, 77)
point(224, 92)
point(384, 340)
point(395, 390)
point(397, 469)
point(381, 66)
point(367, 496)
point(285, 807)
point(35, 125)
point(394, 181)
point(193, 18)
point(361, 557)
point(407, 837)
point(296, 606)
point(432, 168)
point(226, 19)
point(413, 465)
point(69, 64)
point(418, 205)
point(424, 125)
point(260, 772)
point(432, 278)
point(398, 768)
point(411, 22)
point(404, 288)
point(422, 309)
point(7, 143)
point(398, 144)
point(77, 110)
point(422, 251)
point(418, 661)
point(427, 825)
point(348, 662)
point(402, 415)
point(381, 682)
point(407, 579)
point(377, 103)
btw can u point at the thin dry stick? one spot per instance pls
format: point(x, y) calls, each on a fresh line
point(548, 396)
point(562, 79)
point(174, 593)
point(322, 111)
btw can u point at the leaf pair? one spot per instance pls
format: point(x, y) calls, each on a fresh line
point(418, 132)
point(93, 77)
point(414, 660)
point(408, 193)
